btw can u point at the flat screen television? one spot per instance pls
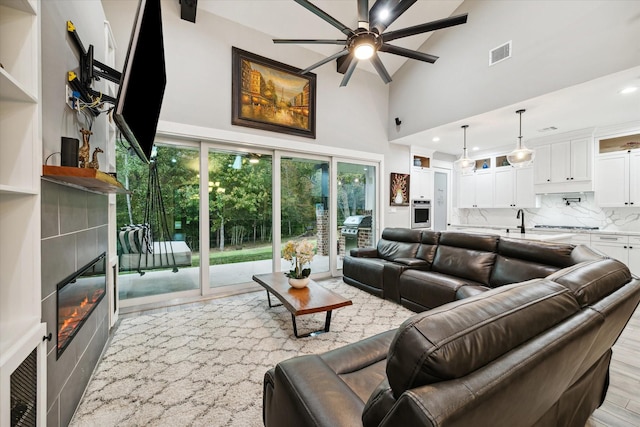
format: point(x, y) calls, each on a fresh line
point(143, 81)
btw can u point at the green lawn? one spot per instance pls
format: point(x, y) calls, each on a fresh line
point(232, 256)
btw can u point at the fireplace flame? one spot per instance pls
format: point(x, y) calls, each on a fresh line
point(73, 316)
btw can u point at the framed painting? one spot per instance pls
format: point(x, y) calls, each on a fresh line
point(399, 186)
point(273, 96)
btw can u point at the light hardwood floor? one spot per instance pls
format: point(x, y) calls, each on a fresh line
point(622, 404)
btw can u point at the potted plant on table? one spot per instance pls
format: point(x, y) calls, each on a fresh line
point(299, 253)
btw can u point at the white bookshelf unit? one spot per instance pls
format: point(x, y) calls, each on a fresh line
point(21, 330)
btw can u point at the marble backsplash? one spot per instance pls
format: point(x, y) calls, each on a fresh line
point(553, 210)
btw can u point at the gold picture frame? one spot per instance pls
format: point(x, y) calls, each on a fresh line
point(273, 96)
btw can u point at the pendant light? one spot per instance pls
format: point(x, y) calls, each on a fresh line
point(464, 164)
point(521, 156)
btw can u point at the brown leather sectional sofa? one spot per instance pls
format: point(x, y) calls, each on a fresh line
point(425, 269)
point(531, 353)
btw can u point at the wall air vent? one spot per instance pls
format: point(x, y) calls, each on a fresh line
point(500, 53)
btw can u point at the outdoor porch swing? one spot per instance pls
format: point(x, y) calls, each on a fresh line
point(149, 245)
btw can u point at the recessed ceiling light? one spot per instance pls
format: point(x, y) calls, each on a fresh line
point(628, 90)
point(475, 148)
point(436, 139)
point(384, 14)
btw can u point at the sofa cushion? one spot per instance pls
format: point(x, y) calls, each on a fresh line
point(430, 289)
point(398, 243)
point(464, 255)
point(365, 270)
point(512, 270)
point(592, 280)
point(455, 339)
point(546, 253)
point(428, 246)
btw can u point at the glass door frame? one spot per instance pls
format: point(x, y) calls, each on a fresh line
point(164, 299)
point(277, 217)
point(206, 147)
point(333, 218)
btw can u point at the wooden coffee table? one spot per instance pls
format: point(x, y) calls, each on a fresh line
point(312, 299)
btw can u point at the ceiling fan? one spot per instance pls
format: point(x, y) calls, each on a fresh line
point(369, 38)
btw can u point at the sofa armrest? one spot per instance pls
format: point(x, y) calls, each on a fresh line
point(298, 391)
point(413, 262)
point(328, 389)
point(364, 252)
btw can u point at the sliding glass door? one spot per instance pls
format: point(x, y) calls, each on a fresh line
point(356, 213)
point(157, 224)
point(240, 216)
point(207, 217)
point(304, 207)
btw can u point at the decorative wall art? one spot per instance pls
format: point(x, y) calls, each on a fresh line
point(272, 96)
point(399, 186)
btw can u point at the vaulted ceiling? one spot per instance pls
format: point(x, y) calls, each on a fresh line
point(590, 104)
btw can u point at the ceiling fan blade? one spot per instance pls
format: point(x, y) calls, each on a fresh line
point(424, 28)
point(363, 14)
point(343, 52)
point(379, 66)
point(309, 41)
point(396, 8)
point(347, 75)
point(325, 16)
point(408, 53)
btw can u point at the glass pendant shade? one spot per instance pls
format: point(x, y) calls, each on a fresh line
point(464, 164)
point(522, 156)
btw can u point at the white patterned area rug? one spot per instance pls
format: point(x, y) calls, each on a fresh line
point(204, 365)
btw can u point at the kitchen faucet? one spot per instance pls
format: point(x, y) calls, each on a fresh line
point(520, 216)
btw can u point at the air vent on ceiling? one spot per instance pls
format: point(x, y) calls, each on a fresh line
point(548, 129)
point(500, 53)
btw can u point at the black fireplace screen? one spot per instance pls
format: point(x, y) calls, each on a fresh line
point(78, 295)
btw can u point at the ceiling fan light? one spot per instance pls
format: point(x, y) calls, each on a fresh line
point(364, 51)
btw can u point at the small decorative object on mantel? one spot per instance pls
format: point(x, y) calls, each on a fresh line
point(85, 149)
point(93, 164)
point(399, 186)
point(299, 253)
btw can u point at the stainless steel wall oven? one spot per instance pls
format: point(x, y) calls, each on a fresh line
point(421, 213)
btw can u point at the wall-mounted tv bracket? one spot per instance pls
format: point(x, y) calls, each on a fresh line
point(90, 70)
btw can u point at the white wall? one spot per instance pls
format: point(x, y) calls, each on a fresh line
point(556, 44)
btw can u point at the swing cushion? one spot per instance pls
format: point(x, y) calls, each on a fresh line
point(135, 239)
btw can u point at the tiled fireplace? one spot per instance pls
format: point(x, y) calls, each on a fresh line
point(74, 239)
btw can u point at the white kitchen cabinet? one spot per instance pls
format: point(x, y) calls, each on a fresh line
point(564, 166)
point(475, 190)
point(513, 188)
point(624, 248)
point(421, 184)
point(617, 176)
point(634, 255)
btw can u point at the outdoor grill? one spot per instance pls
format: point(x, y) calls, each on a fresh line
point(351, 225)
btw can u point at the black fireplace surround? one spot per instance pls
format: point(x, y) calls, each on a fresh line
point(78, 295)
